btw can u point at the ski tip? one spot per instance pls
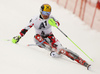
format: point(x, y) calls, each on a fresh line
point(88, 67)
point(7, 40)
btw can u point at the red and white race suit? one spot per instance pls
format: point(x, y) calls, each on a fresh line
point(44, 29)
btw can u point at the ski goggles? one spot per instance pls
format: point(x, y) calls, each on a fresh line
point(45, 13)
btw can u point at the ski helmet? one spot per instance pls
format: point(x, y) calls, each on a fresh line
point(46, 8)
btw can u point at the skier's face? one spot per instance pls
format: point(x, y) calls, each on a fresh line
point(45, 16)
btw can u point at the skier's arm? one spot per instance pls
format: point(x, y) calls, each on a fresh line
point(22, 33)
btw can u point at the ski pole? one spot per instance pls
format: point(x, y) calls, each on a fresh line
point(53, 23)
point(36, 44)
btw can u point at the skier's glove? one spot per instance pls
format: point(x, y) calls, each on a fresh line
point(16, 39)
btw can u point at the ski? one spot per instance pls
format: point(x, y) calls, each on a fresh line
point(69, 53)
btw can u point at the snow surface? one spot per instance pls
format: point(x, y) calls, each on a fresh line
point(21, 59)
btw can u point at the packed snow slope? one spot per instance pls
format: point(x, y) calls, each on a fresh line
point(21, 59)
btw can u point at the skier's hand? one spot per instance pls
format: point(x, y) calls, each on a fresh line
point(16, 39)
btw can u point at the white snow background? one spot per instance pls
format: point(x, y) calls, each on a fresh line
point(21, 59)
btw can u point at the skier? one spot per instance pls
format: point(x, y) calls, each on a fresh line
point(44, 37)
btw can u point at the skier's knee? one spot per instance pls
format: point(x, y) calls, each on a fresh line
point(38, 39)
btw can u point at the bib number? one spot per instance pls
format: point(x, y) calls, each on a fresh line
point(43, 25)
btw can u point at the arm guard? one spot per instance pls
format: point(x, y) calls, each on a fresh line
point(23, 32)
